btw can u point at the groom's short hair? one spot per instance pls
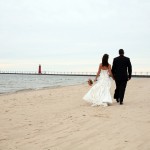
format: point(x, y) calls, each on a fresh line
point(121, 51)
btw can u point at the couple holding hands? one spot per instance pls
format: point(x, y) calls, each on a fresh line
point(121, 72)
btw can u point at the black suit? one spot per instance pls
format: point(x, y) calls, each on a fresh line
point(122, 71)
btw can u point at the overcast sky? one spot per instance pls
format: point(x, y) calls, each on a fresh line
point(73, 35)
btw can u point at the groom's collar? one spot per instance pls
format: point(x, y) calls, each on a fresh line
point(121, 55)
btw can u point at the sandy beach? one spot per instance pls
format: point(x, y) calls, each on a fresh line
point(59, 119)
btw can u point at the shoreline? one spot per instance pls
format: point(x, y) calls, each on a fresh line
point(52, 87)
point(39, 89)
point(14, 84)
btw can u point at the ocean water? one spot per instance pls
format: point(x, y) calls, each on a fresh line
point(10, 83)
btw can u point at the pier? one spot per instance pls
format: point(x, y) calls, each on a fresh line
point(134, 74)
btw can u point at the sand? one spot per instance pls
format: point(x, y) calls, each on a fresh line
point(59, 119)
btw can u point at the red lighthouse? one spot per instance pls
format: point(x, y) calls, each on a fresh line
point(39, 71)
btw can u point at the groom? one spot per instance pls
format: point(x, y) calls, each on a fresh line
point(122, 71)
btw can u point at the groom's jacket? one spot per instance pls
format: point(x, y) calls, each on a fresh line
point(122, 68)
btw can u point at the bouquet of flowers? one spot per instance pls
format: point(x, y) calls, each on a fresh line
point(90, 82)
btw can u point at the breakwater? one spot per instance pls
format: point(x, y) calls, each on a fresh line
point(134, 74)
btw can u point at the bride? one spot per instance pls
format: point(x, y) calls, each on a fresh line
point(99, 94)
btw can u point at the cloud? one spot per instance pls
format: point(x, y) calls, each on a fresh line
point(73, 31)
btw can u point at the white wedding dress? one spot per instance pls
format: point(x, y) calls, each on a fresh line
point(99, 94)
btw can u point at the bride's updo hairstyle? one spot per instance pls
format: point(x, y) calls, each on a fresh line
point(105, 60)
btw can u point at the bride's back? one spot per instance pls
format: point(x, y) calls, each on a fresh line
point(105, 67)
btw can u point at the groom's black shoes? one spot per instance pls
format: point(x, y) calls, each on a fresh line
point(117, 100)
point(121, 103)
point(116, 97)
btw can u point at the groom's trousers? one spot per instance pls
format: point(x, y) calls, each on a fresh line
point(120, 89)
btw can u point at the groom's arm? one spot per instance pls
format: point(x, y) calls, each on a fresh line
point(113, 67)
point(129, 68)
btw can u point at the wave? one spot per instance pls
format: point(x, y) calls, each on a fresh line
point(19, 83)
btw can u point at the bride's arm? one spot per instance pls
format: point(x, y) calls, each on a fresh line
point(98, 72)
point(110, 73)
